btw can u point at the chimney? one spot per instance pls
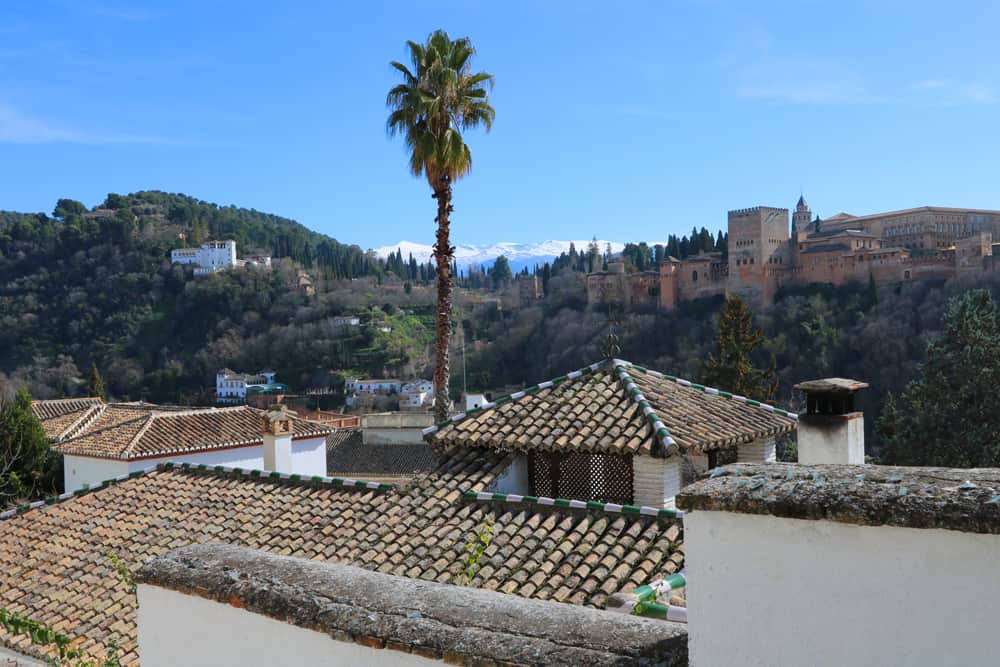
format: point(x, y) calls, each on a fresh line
point(277, 427)
point(830, 431)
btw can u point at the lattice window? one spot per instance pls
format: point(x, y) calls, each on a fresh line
point(606, 478)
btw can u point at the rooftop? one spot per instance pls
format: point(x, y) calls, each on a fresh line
point(59, 416)
point(614, 407)
point(965, 500)
point(432, 620)
point(347, 455)
point(54, 564)
point(142, 430)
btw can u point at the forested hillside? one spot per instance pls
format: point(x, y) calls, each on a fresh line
point(853, 331)
point(82, 286)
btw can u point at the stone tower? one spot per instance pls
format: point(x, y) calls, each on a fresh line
point(802, 216)
point(758, 245)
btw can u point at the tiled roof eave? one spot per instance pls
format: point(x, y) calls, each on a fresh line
point(194, 449)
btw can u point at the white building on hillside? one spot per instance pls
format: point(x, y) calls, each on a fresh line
point(231, 387)
point(416, 395)
point(209, 258)
point(108, 441)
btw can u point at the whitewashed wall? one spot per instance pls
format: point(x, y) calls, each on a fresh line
point(179, 629)
point(80, 471)
point(771, 591)
point(308, 458)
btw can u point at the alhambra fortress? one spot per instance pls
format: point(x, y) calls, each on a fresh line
point(928, 242)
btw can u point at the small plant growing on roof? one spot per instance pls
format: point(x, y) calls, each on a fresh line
point(475, 549)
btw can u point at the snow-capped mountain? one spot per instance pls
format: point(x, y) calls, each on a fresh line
point(518, 254)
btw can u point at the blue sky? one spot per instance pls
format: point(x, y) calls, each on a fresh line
point(626, 121)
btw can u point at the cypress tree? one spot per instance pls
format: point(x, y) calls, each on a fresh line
point(730, 367)
point(95, 386)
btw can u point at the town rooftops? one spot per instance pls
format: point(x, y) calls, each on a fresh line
point(617, 407)
point(966, 500)
point(143, 430)
point(433, 620)
point(54, 563)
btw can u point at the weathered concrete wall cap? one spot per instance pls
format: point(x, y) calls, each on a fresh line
point(454, 623)
point(953, 499)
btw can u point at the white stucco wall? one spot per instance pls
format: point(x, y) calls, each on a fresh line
point(757, 451)
point(179, 629)
point(837, 439)
point(770, 591)
point(80, 471)
point(655, 481)
point(308, 458)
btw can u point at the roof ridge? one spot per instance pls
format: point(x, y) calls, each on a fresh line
point(507, 398)
point(100, 430)
point(69, 495)
point(660, 430)
point(644, 510)
point(88, 417)
point(711, 390)
point(71, 398)
point(217, 471)
point(273, 476)
point(138, 434)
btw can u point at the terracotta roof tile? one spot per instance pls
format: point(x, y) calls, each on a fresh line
point(54, 565)
point(59, 416)
point(141, 430)
point(614, 407)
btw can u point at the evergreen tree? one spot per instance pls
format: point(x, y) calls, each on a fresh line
point(948, 416)
point(28, 468)
point(95, 385)
point(730, 367)
point(501, 272)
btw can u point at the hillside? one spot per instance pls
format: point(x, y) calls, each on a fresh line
point(96, 285)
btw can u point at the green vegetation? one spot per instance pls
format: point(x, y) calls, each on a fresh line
point(97, 287)
point(813, 332)
point(730, 365)
point(28, 468)
point(440, 98)
point(947, 416)
point(95, 385)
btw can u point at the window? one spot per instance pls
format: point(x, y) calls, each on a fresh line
point(605, 478)
point(694, 276)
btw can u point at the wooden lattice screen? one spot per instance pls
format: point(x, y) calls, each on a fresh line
point(606, 478)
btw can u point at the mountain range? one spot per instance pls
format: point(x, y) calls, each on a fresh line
point(519, 255)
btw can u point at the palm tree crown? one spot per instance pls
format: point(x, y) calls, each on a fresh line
point(439, 98)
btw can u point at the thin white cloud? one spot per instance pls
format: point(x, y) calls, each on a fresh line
point(20, 128)
point(953, 93)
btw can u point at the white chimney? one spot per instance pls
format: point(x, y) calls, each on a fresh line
point(277, 427)
point(830, 430)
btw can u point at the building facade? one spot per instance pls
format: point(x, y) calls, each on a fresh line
point(233, 387)
point(765, 253)
point(216, 256)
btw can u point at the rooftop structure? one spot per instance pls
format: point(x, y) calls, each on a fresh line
point(645, 431)
point(347, 455)
point(102, 441)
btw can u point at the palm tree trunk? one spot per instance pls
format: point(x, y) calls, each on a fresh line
point(443, 252)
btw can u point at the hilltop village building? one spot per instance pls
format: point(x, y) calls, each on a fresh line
point(233, 387)
point(763, 255)
point(216, 256)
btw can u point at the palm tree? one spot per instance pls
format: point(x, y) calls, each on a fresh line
point(437, 100)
